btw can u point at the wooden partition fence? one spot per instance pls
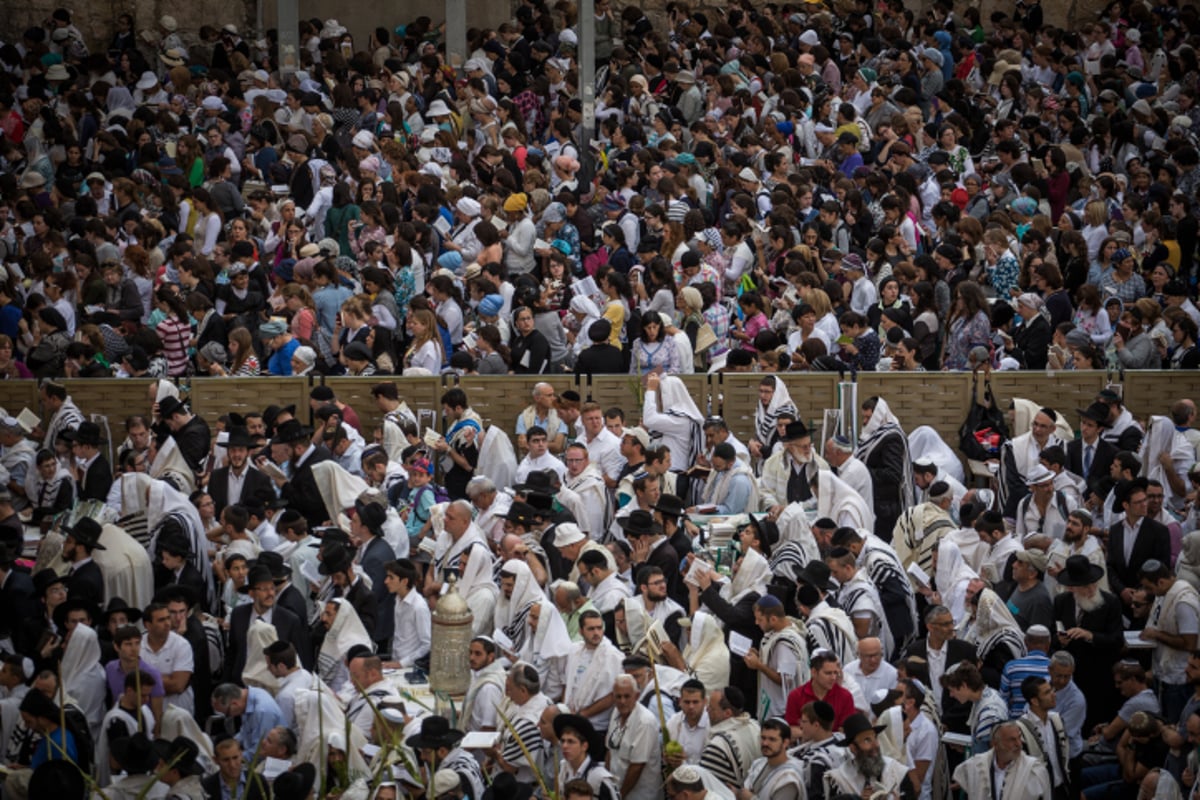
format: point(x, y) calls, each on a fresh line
point(939, 400)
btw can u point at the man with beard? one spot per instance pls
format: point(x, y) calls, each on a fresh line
point(1077, 541)
point(486, 690)
point(1123, 430)
point(652, 590)
point(1089, 621)
point(1004, 771)
point(238, 479)
point(883, 447)
point(1044, 734)
point(1134, 541)
point(586, 480)
point(775, 776)
point(787, 475)
point(1001, 552)
point(877, 561)
point(867, 767)
point(819, 750)
point(84, 580)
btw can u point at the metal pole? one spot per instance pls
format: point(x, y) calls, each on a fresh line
point(587, 89)
point(456, 34)
point(287, 22)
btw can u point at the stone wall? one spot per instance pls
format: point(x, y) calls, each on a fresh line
point(97, 18)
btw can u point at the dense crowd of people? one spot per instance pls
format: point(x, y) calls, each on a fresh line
point(247, 609)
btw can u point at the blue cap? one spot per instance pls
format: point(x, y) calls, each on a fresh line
point(490, 305)
point(451, 260)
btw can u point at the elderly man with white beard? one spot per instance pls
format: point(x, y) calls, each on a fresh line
point(1090, 629)
point(866, 766)
point(787, 475)
point(1005, 772)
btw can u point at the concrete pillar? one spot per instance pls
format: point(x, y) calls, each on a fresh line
point(587, 90)
point(456, 34)
point(288, 24)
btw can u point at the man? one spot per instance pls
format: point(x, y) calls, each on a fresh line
point(300, 490)
point(1173, 626)
point(774, 776)
point(883, 448)
point(1090, 630)
point(926, 473)
point(1004, 771)
point(1042, 512)
point(337, 561)
point(398, 426)
point(1002, 549)
point(413, 625)
point(171, 655)
point(177, 768)
point(607, 590)
point(437, 746)
point(91, 470)
point(781, 660)
point(258, 711)
point(920, 530)
point(191, 433)
point(580, 742)
point(64, 414)
point(238, 479)
point(869, 670)
point(1091, 455)
point(1030, 601)
point(523, 708)
point(592, 666)
point(1021, 455)
point(542, 414)
point(84, 580)
point(730, 487)
point(920, 736)
point(486, 690)
point(174, 565)
point(538, 458)
point(788, 473)
point(586, 480)
point(824, 685)
point(1077, 541)
point(690, 725)
point(1070, 702)
point(839, 451)
point(818, 751)
point(18, 456)
point(877, 561)
point(1123, 430)
point(866, 768)
point(129, 714)
point(260, 585)
point(942, 651)
point(231, 779)
point(965, 684)
point(370, 689)
point(135, 757)
point(733, 736)
point(858, 597)
point(284, 665)
point(1134, 541)
point(374, 553)
point(828, 627)
point(1043, 734)
point(603, 448)
point(652, 550)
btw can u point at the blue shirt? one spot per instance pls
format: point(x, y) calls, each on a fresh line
point(328, 301)
point(1071, 705)
point(280, 362)
point(738, 496)
point(261, 715)
point(47, 752)
point(1034, 665)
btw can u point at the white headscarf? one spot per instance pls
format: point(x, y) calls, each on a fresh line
point(764, 418)
point(582, 304)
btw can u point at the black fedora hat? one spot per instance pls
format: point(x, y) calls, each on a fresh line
point(335, 558)
point(329, 536)
point(290, 432)
point(639, 523)
point(816, 573)
point(1097, 412)
point(175, 542)
point(117, 605)
point(435, 732)
point(581, 725)
point(240, 437)
point(89, 433)
point(521, 513)
point(670, 505)
point(135, 754)
point(44, 580)
point(1080, 571)
point(795, 431)
point(170, 406)
point(259, 573)
point(538, 481)
point(273, 561)
point(174, 591)
point(86, 531)
point(857, 724)
point(73, 604)
point(767, 530)
point(371, 515)
point(179, 754)
point(272, 412)
point(295, 784)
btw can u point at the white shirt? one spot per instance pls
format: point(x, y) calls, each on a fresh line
point(413, 629)
point(937, 667)
point(691, 738)
point(884, 677)
point(544, 462)
point(175, 656)
point(1050, 742)
point(921, 745)
point(605, 452)
point(636, 741)
point(235, 483)
point(285, 696)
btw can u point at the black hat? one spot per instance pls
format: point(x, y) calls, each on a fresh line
point(290, 432)
point(521, 513)
point(536, 481)
point(794, 431)
point(58, 778)
point(670, 505)
point(371, 515)
point(174, 591)
point(272, 412)
point(816, 573)
point(175, 542)
point(856, 724)
point(581, 725)
point(36, 704)
point(639, 523)
point(435, 732)
point(295, 784)
point(357, 351)
point(273, 561)
point(540, 503)
point(240, 437)
point(135, 754)
point(767, 530)
point(1097, 412)
point(259, 573)
point(170, 406)
point(73, 604)
point(44, 580)
point(179, 754)
point(117, 605)
point(86, 532)
point(335, 558)
point(1080, 571)
point(329, 536)
point(88, 433)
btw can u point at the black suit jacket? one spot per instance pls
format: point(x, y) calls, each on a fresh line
point(1098, 479)
point(256, 485)
point(1032, 341)
point(1094, 659)
point(377, 553)
point(256, 787)
point(291, 599)
point(97, 480)
point(189, 576)
point(301, 491)
point(19, 604)
point(1153, 541)
point(289, 627)
point(87, 582)
point(954, 713)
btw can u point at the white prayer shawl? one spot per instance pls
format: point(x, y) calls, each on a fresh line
point(547, 649)
point(765, 417)
point(319, 714)
point(952, 576)
point(855, 474)
point(497, 458)
point(1061, 550)
point(891, 738)
point(582, 304)
point(589, 485)
point(795, 525)
point(259, 636)
point(116, 714)
point(831, 628)
point(338, 488)
point(394, 440)
point(83, 677)
point(848, 779)
point(882, 424)
point(679, 422)
point(837, 501)
point(851, 597)
point(772, 696)
point(706, 654)
point(492, 517)
point(1160, 438)
point(169, 464)
point(765, 781)
point(716, 488)
point(126, 567)
point(752, 575)
point(995, 625)
point(879, 561)
point(67, 416)
point(491, 675)
point(1188, 565)
point(37, 487)
point(918, 533)
point(178, 722)
point(777, 471)
point(158, 501)
point(1024, 779)
point(346, 632)
point(972, 548)
point(925, 442)
point(1164, 615)
point(596, 681)
point(511, 612)
point(644, 630)
point(475, 584)
point(19, 460)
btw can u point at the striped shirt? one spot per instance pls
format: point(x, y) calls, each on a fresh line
point(1034, 665)
point(817, 758)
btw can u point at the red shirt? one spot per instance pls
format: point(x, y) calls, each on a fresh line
point(838, 697)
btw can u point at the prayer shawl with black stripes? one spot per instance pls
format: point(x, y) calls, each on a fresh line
point(883, 569)
point(830, 628)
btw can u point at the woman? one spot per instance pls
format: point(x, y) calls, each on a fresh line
point(175, 330)
point(889, 297)
point(208, 221)
point(1090, 316)
point(1048, 280)
point(490, 351)
point(425, 351)
point(299, 304)
point(448, 301)
point(583, 312)
point(926, 324)
point(9, 366)
point(342, 218)
point(1183, 331)
point(773, 400)
point(970, 325)
point(616, 307)
point(654, 350)
point(753, 320)
point(530, 351)
point(960, 157)
point(50, 341)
